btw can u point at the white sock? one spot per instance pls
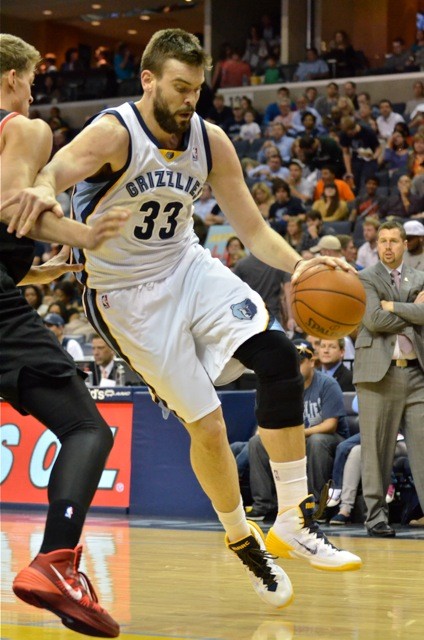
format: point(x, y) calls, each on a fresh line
point(291, 482)
point(234, 523)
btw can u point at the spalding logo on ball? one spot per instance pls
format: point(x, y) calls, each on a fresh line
point(327, 302)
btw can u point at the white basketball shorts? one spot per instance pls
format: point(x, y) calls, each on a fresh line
point(180, 333)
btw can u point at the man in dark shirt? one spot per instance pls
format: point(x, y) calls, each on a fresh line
point(360, 147)
point(285, 205)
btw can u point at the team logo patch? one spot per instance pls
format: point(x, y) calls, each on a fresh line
point(245, 310)
point(105, 301)
point(195, 154)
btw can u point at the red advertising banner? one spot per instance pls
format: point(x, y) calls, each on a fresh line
point(28, 452)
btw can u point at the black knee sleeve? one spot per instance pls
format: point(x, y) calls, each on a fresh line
point(274, 359)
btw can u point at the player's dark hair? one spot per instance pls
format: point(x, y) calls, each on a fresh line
point(173, 44)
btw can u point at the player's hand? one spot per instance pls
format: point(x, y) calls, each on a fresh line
point(107, 227)
point(52, 269)
point(29, 205)
point(336, 263)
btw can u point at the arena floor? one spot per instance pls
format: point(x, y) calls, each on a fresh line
point(176, 580)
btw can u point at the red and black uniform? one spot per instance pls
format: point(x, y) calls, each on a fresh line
point(38, 377)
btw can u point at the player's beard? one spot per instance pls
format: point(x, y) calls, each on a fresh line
point(166, 119)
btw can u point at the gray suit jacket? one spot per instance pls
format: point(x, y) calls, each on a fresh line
point(377, 332)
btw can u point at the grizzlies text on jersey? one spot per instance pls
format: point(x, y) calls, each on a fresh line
point(159, 185)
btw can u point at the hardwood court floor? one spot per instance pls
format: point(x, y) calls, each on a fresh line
point(182, 584)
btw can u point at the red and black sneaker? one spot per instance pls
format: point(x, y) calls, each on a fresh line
point(52, 581)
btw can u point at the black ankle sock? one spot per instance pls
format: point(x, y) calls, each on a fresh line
point(64, 524)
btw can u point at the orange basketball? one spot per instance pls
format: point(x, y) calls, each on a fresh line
point(327, 302)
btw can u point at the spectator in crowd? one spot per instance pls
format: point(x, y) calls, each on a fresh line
point(235, 72)
point(398, 60)
point(344, 55)
point(328, 177)
point(349, 90)
point(207, 208)
point(395, 156)
point(325, 427)
point(294, 232)
point(414, 254)
point(33, 294)
point(272, 110)
point(403, 204)
point(361, 149)
point(233, 125)
point(389, 373)
point(284, 207)
point(219, 113)
point(327, 246)
point(56, 324)
point(263, 197)
point(311, 94)
point(103, 58)
point(104, 366)
point(269, 30)
point(234, 251)
point(278, 138)
point(302, 107)
point(417, 50)
point(50, 60)
point(387, 119)
point(273, 168)
point(250, 130)
point(72, 61)
point(331, 354)
point(256, 51)
point(56, 306)
point(367, 203)
point(416, 122)
point(367, 252)
point(314, 231)
point(330, 206)
point(365, 116)
point(299, 186)
point(247, 103)
point(417, 185)
point(285, 114)
point(66, 291)
point(225, 53)
point(308, 127)
point(320, 152)
point(272, 71)
point(345, 106)
point(324, 104)
point(416, 158)
point(349, 251)
point(313, 68)
point(418, 91)
point(123, 62)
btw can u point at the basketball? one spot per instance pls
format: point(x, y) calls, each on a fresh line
point(327, 302)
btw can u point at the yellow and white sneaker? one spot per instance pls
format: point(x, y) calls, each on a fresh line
point(295, 534)
point(269, 581)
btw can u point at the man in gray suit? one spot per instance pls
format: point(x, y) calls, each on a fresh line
point(389, 373)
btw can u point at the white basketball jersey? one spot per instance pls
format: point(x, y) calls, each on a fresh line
point(159, 187)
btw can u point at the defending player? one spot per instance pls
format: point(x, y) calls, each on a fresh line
point(180, 318)
point(37, 376)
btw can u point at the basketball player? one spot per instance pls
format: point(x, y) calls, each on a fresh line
point(37, 375)
point(181, 319)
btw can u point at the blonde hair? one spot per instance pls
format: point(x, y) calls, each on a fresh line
point(17, 54)
point(261, 186)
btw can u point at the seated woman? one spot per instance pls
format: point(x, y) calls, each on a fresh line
point(330, 206)
point(395, 156)
point(234, 251)
point(416, 158)
point(263, 198)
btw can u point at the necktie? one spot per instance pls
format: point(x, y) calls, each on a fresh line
point(405, 344)
point(103, 372)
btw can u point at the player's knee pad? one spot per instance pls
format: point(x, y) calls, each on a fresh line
point(274, 359)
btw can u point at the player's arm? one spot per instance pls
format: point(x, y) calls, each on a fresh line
point(102, 144)
point(238, 206)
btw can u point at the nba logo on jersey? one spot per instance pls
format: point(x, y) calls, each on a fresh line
point(195, 154)
point(69, 512)
point(105, 301)
point(245, 310)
